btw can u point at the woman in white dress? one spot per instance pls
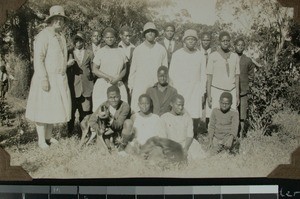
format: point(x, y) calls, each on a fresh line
point(109, 67)
point(188, 76)
point(49, 100)
point(147, 58)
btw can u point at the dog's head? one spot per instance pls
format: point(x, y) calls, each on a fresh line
point(104, 113)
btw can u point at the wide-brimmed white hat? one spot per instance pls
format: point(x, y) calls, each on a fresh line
point(56, 11)
point(150, 26)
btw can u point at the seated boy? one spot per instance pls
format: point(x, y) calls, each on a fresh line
point(178, 126)
point(223, 125)
point(161, 93)
point(119, 111)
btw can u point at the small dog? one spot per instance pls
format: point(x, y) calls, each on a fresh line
point(104, 120)
point(163, 149)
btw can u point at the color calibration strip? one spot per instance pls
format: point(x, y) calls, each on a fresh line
point(139, 192)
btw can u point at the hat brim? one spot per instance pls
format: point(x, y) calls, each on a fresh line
point(48, 19)
point(156, 31)
point(78, 37)
point(196, 37)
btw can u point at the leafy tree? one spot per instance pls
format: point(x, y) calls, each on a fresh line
point(268, 28)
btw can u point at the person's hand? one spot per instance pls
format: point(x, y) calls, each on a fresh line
point(45, 85)
point(90, 77)
point(109, 132)
point(209, 100)
point(114, 81)
point(109, 79)
point(70, 62)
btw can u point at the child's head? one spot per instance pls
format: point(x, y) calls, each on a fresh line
point(169, 31)
point(79, 40)
point(206, 40)
point(96, 37)
point(109, 36)
point(126, 34)
point(190, 39)
point(113, 96)
point(177, 104)
point(239, 45)
point(145, 104)
point(162, 75)
point(225, 101)
point(224, 39)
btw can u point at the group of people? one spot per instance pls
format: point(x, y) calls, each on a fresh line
point(159, 88)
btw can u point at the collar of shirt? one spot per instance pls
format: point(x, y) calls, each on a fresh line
point(122, 45)
point(167, 43)
point(95, 48)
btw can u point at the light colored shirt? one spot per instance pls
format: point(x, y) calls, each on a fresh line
point(79, 54)
point(188, 76)
point(216, 67)
point(95, 48)
point(126, 49)
point(146, 127)
point(178, 127)
point(167, 43)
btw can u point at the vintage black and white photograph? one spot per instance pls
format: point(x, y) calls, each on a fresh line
point(150, 88)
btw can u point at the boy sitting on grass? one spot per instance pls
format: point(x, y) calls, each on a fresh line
point(223, 126)
point(119, 110)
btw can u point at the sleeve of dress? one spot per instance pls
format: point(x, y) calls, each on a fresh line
point(96, 58)
point(212, 123)
point(172, 70)
point(132, 72)
point(237, 65)
point(210, 65)
point(118, 122)
point(203, 76)
point(251, 71)
point(165, 57)
point(40, 50)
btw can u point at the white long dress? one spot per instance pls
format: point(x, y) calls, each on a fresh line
point(143, 72)
point(188, 76)
point(50, 62)
point(111, 61)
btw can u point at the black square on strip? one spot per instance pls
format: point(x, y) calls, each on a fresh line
point(207, 196)
point(120, 196)
point(11, 195)
point(178, 196)
point(90, 196)
point(235, 196)
point(150, 196)
point(63, 196)
point(263, 196)
point(36, 196)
